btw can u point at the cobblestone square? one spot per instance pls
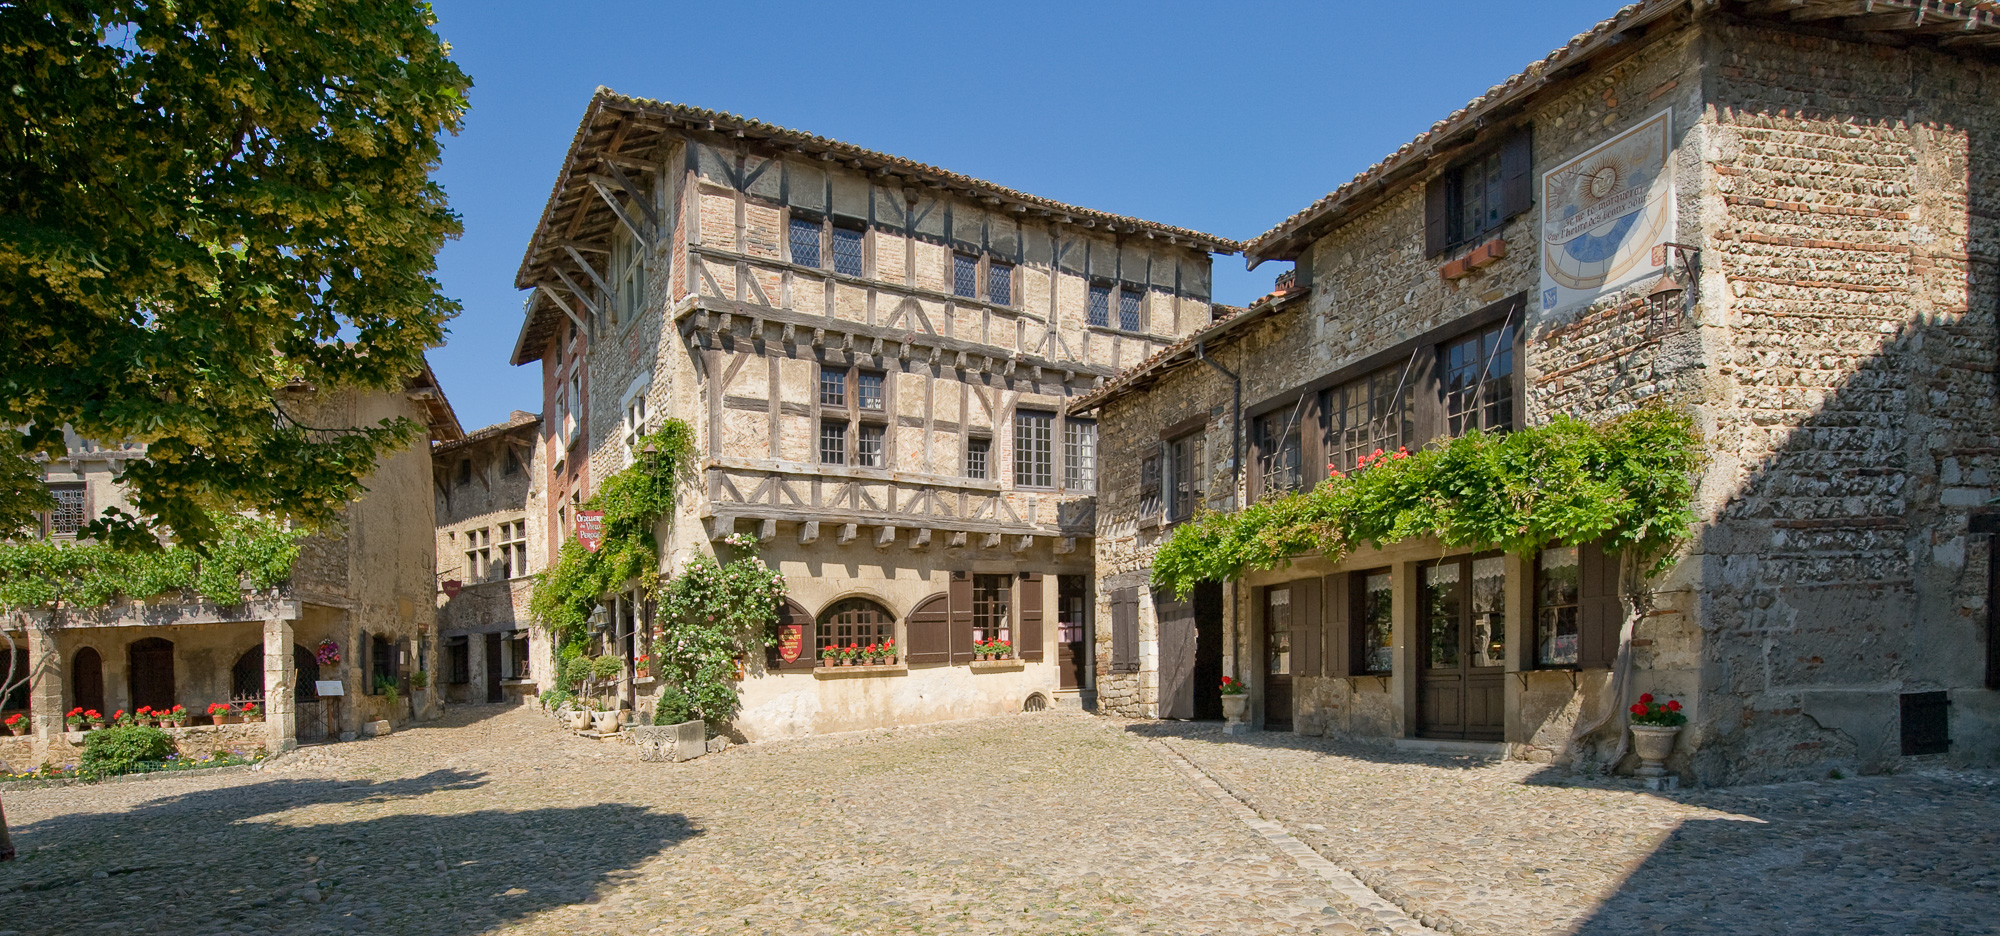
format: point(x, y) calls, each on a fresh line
point(493, 821)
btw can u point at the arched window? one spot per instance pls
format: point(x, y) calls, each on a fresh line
point(86, 680)
point(246, 678)
point(151, 674)
point(305, 673)
point(853, 621)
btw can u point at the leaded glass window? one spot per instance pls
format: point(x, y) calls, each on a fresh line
point(1130, 316)
point(1098, 305)
point(67, 519)
point(964, 276)
point(847, 251)
point(805, 241)
point(999, 283)
point(1033, 458)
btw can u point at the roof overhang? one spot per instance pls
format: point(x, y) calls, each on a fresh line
point(1183, 352)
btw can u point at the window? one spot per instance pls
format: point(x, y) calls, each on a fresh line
point(1033, 465)
point(1472, 200)
point(976, 451)
point(1464, 614)
point(1278, 631)
point(1278, 451)
point(634, 425)
point(1079, 454)
point(464, 472)
point(382, 660)
point(989, 607)
point(847, 250)
point(513, 461)
point(868, 390)
point(1131, 316)
point(1362, 416)
point(458, 660)
point(1372, 621)
point(478, 554)
point(853, 621)
point(1099, 305)
point(805, 241)
point(1558, 593)
point(573, 414)
point(68, 517)
point(1478, 374)
point(833, 442)
point(999, 283)
point(868, 446)
point(514, 549)
point(832, 387)
point(1183, 482)
point(964, 276)
point(517, 643)
point(628, 277)
point(561, 424)
point(1149, 487)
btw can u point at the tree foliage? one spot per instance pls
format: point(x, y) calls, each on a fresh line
point(1629, 481)
point(245, 554)
point(205, 202)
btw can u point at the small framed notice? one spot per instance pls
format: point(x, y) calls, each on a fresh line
point(328, 687)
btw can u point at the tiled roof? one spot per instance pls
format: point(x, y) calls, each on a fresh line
point(617, 124)
point(1975, 20)
point(516, 421)
point(1180, 352)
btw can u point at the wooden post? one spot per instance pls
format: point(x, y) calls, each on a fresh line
point(281, 724)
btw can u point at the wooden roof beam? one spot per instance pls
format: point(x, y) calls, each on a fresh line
point(587, 268)
point(545, 290)
point(617, 210)
point(580, 294)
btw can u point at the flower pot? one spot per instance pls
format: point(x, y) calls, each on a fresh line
point(579, 719)
point(1654, 744)
point(1235, 707)
point(604, 721)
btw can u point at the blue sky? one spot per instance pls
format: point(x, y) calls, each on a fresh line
point(1221, 117)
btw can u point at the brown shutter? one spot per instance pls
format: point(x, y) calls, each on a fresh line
point(1437, 221)
point(366, 647)
point(1305, 626)
point(1517, 186)
point(961, 617)
point(929, 631)
point(791, 616)
point(1600, 615)
point(1336, 610)
point(1124, 630)
point(1029, 640)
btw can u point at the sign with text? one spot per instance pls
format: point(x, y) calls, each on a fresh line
point(590, 528)
point(1605, 212)
point(791, 642)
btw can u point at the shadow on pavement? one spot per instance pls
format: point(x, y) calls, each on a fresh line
point(226, 857)
point(1211, 732)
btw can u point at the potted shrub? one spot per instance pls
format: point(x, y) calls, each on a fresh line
point(17, 724)
point(1654, 728)
point(888, 651)
point(120, 720)
point(75, 720)
point(829, 655)
point(93, 720)
point(178, 716)
point(1001, 649)
point(873, 653)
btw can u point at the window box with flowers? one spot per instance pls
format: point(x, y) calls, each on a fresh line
point(995, 654)
point(857, 659)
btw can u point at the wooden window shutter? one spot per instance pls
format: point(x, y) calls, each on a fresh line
point(1028, 640)
point(929, 631)
point(1517, 184)
point(1600, 614)
point(1437, 216)
point(365, 645)
point(1124, 630)
point(792, 619)
point(1336, 610)
point(961, 617)
point(1306, 627)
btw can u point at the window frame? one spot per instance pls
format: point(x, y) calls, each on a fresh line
point(50, 518)
point(1041, 471)
point(965, 275)
point(827, 629)
point(1359, 644)
point(797, 223)
point(1177, 479)
point(984, 446)
point(1266, 448)
point(1532, 658)
point(1507, 345)
point(848, 411)
point(857, 232)
point(1079, 454)
point(999, 271)
point(993, 604)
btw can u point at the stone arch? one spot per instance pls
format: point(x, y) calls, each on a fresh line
point(853, 620)
point(246, 678)
point(150, 673)
point(86, 680)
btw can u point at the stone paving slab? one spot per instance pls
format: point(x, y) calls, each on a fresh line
point(495, 821)
point(1504, 847)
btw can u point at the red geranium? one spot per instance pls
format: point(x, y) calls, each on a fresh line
point(1673, 705)
point(1638, 708)
point(1647, 712)
point(1646, 697)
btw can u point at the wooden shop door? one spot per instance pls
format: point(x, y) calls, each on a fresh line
point(1278, 657)
point(1462, 632)
point(493, 668)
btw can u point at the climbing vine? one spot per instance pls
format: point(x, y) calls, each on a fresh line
point(633, 501)
point(247, 555)
point(1628, 481)
point(710, 617)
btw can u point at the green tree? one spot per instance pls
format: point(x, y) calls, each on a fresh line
point(202, 204)
point(205, 202)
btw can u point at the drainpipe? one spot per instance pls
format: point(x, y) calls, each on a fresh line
point(1235, 420)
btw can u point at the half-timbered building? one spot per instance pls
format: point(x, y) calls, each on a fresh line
point(874, 355)
point(1777, 215)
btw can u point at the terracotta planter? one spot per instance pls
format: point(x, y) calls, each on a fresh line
point(225, 719)
point(1654, 744)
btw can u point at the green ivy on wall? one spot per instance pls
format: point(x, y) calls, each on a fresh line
point(248, 555)
point(1628, 481)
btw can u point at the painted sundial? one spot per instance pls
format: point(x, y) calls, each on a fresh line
point(1604, 211)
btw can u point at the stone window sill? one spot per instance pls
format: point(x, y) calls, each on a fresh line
point(1014, 663)
point(872, 669)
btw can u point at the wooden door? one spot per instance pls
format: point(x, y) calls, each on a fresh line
point(1177, 647)
point(152, 673)
point(86, 674)
point(1462, 631)
point(1278, 656)
point(1072, 608)
point(493, 693)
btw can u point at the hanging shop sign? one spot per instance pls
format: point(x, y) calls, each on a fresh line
point(590, 528)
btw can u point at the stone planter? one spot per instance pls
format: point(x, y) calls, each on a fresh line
point(1654, 744)
point(1235, 708)
point(579, 719)
point(604, 721)
point(671, 743)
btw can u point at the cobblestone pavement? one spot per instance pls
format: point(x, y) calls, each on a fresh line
point(493, 821)
point(1484, 847)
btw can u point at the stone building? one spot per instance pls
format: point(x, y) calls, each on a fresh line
point(489, 511)
point(1779, 216)
point(874, 355)
point(367, 585)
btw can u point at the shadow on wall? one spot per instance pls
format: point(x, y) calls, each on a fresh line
point(222, 858)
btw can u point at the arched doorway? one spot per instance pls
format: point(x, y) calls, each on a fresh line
point(86, 680)
point(246, 678)
point(852, 621)
point(151, 674)
point(305, 674)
